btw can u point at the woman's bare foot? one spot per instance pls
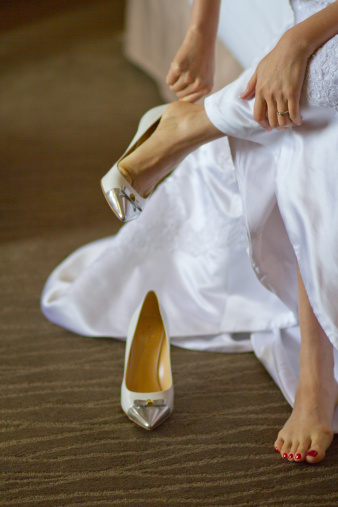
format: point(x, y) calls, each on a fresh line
point(308, 432)
point(309, 428)
point(182, 128)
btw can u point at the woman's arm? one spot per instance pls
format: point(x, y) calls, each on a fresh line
point(278, 80)
point(191, 72)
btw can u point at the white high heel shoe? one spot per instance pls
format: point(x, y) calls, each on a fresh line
point(123, 199)
point(147, 391)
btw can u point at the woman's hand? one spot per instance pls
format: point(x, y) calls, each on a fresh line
point(277, 84)
point(191, 73)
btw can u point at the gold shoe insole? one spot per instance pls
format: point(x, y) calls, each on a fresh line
point(148, 368)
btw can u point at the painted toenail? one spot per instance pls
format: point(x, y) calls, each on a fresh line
point(290, 456)
point(276, 449)
point(298, 456)
point(312, 453)
point(285, 455)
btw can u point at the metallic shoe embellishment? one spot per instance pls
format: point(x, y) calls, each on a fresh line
point(126, 207)
point(148, 413)
point(142, 403)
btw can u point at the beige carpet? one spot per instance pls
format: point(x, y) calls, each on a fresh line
point(69, 105)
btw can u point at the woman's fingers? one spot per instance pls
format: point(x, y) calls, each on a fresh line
point(294, 112)
point(289, 113)
point(249, 91)
point(182, 82)
point(189, 88)
point(272, 114)
point(193, 97)
point(282, 114)
point(196, 87)
point(266, 109)
point(260, 110)
point(173, 74)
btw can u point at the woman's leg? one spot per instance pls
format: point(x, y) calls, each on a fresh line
point(309, 428)
point(182, 129)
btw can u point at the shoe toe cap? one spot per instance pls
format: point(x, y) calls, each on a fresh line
point(148, 416)
point(121, 205)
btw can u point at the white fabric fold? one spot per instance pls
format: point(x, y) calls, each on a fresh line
point(190, 246)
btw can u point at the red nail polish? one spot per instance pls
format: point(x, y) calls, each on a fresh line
point(276, 449)
point(290, 456)
point(298, 456)
point(285, 455)
point(312, 453)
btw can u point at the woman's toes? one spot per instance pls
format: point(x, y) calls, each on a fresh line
point(292, 453)
point(300, 454)
point(319, 444)
point(285, 450)
point(314, 456)
point(302, 449)
point(316, 452)
point(279, 444)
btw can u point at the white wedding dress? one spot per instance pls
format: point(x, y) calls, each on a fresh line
point(220, 238)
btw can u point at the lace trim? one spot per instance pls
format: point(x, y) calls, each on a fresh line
point(321, 80)
point(322, 76)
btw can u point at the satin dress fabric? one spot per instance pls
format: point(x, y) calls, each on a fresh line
point(219, 241)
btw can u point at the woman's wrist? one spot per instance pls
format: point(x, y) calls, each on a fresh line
point(204, 19)
point(309, 35)
point(297, 43)
point(199, 32)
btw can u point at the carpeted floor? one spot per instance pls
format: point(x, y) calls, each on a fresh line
point(69, 105)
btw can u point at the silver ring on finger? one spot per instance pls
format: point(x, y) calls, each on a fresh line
point(279, 113)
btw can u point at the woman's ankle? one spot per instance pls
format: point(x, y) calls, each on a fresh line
point(183, 128)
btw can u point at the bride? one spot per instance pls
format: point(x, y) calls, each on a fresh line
point(241, 236)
